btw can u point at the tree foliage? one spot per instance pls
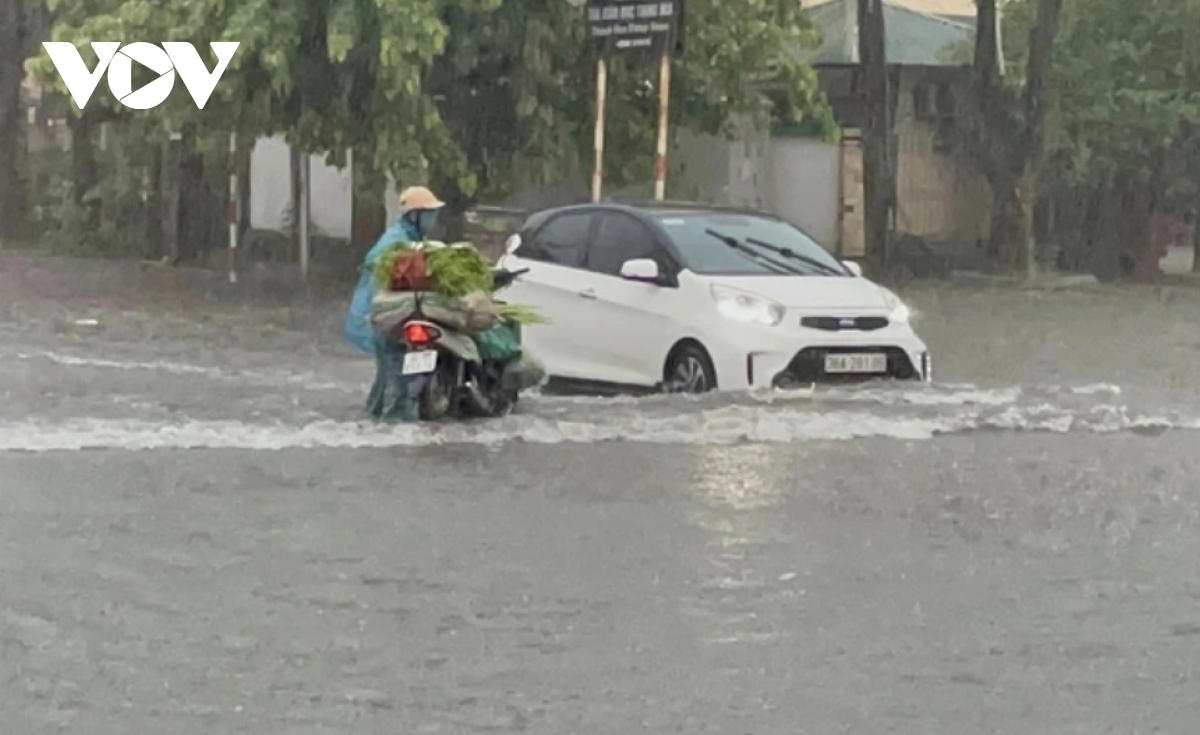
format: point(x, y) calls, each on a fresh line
point(14, 32)
point(1124, 110)
point(1009, 125)
point(1127, 81)
point(471, 92)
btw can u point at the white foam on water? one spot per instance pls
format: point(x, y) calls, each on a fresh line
point(174, 368)
point(255, 377)
point(729, 425)
point(922, 394)
point(1097, 389)
point(890, 394)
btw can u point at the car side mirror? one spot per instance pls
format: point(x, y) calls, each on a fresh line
point(854, 268)
point(640, 269)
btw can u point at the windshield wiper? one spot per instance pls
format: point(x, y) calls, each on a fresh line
point(789, 253)
point(753, 254)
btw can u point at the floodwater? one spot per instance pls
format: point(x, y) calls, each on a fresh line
point(201, 536)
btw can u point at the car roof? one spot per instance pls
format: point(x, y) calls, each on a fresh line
point(644, 208)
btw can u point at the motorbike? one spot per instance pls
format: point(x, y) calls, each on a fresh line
point(454, 379)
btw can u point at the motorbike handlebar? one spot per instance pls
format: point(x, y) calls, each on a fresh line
point(502, 278)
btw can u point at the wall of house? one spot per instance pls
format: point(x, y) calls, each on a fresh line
point(940, 196)
point(714, 170)
point(793, 178)
point(805, 175)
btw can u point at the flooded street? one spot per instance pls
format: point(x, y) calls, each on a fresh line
point(201, 536)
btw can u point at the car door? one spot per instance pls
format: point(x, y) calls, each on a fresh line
point(631, 325)
point(555, 255)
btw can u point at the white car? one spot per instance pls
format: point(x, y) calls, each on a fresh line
point(695, 299)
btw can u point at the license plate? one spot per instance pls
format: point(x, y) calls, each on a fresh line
point(417, 363)
point(856, 363)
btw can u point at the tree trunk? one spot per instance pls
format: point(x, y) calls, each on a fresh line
point(1006, 214)
point(85, 171)
point(1196, 246)
point(986, 64)
point(1026, 235)
point(1071, 227)
point(12, 139)
point(368, 215)
point(195, 221)
point(1106, 241)
point(1033, 98)
point(993, 110)
point(1012, 141)
point(296, 188)
point(243, 202)
point(876, 132)
point(155, 246)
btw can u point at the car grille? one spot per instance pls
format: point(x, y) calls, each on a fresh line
point(808, 366)
point(840, 323)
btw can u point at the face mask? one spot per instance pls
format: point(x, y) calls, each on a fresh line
point(424, 220)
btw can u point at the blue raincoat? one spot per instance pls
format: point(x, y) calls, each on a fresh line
point(357, 329)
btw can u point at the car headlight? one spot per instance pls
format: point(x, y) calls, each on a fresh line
point(898, 312)
point(747, 307)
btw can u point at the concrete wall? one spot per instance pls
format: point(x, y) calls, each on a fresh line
point(940, 195)
point(804, 181)
point(793, 178)
point(330, 187)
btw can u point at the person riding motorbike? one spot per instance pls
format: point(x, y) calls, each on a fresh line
point(392, 397)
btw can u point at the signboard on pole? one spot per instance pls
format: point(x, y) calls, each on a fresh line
point(623, 26)
point(652, 28)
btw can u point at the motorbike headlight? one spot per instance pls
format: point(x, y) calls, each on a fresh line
point(898, 312)
point(747, 307)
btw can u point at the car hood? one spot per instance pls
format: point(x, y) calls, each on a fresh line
point(811, 292)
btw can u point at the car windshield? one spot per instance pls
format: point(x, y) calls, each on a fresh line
point(719, 244)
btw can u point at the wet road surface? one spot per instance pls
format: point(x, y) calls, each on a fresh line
point(201, 537)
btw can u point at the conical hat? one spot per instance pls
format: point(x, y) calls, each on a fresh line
point(419, 197)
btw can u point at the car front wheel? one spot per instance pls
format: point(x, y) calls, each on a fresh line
point(689, 370)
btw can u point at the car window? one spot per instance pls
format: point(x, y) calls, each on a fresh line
point(561, 241)
point(758, 242)
point(618, 239)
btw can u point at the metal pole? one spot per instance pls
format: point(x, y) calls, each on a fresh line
point(601, 93)
point(664, 101)
point(305, 205)
point(232, 207)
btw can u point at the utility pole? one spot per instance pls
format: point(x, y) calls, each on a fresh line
point(876, 130)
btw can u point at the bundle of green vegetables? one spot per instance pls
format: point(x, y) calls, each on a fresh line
point(521, 314)
point(454, 271)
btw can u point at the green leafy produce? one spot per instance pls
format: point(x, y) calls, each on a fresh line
point(521, 314)
point(455, 270)
point(386, 262)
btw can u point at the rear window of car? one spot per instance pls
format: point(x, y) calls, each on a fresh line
point(702, 240)
point(563, 240)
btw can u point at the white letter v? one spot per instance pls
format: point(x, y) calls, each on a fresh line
point(192, 71)
point(80, 82)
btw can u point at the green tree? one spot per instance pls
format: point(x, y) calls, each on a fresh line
point(515, 87)
point(1010, 125)
point(1122, 121)
point(19, 25)
point(464, 93)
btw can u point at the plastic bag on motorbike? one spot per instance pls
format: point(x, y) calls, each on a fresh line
point(475, 312)
point(523, 373)
point(498, 344)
